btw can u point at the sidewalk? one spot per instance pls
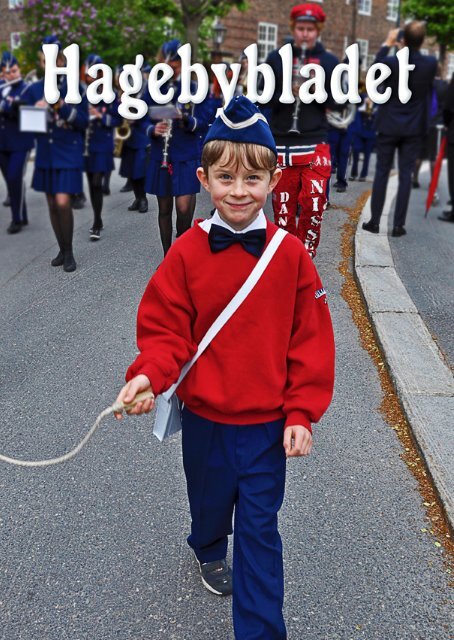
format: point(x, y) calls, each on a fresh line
point(420, 371)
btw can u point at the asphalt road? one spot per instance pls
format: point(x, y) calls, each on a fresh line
point(95, 549)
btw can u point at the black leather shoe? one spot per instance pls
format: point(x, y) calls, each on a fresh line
point(24, 223)
point(7, 202)
point(341, 189)
point(134, 206)
point(143, 205)
point(58, 260)
point(398, 231)
point(361, 179)
point(353, 178)
point(106, 191)
point(448, 216)
point(14, 227)
point(126, 187)
point(69, 264)
point(371, 226)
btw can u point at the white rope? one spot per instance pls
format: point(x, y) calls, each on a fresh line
point(115, 408)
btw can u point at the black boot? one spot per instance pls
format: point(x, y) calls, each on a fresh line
point(69, 264)
point(135, 205)
point(143, 205)
point(58, 260)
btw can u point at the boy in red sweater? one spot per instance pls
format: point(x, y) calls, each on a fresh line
point(250, 399)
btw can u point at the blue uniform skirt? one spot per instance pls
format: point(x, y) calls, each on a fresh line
point(179, 180)
point(133, 162)
point(57, 180)
point(99, 162)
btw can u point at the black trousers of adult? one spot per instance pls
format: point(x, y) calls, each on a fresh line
point(451, 172)
point(407, 150)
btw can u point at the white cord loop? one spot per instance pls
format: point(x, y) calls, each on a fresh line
point(117, 407)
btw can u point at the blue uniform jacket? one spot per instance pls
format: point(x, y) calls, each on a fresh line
point(412, 118)
point(11, 139)
point(62, 146)
point(101, 130)
point(187, 133)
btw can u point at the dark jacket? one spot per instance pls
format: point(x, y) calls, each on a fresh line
point(411, 119)
point(312, 121)
point(448, 111)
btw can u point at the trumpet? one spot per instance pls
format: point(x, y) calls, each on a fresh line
point(122, 133)
point(296, 79)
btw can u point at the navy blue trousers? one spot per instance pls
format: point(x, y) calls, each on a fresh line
point(241, 469)
point(12, 165)
point(408, 150)
point(339, 144)
point(365, 146)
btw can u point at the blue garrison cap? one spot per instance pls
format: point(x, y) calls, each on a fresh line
point(52, 39)
point(169, 50)
point(92, 59)
point(241, 121)
point(8, 60)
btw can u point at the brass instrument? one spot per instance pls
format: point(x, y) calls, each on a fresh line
point(121, 133)
point(166, 138)
point(10, 83)
point(296, 80)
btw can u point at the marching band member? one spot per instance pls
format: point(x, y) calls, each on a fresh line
point(59, 159)
point(175, 154)
point(14, 145)
point(133, 161)
point(301, 132)
point(99, 146)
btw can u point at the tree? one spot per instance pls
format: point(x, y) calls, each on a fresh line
point(439, 17)
point(195, 12)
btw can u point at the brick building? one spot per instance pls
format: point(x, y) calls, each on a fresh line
point(11, 24)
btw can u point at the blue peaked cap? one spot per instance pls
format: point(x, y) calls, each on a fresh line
point(92, 59)
point(242, 121)
point(8, 60)
point(52, 39)
point(169, 50)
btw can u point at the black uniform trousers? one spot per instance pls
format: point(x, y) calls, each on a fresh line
point(408, 150)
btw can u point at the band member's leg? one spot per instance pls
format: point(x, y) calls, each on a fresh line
point(285, 199)
point(66, 219)
point(165, 208)
point(95, 185)
point(312, 199)
point(185, 206)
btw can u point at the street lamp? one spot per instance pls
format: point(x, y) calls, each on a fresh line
point(219, 32)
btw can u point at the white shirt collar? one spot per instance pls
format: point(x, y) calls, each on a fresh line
point(258, 223)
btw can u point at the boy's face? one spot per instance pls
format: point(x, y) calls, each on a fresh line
point(238, 193)
point(305, 32)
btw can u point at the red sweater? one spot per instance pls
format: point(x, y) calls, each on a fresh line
point(275, 356)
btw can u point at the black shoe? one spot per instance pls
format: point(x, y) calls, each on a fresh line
point(217, 577)
point(341, 188)
point(371, 226)
point(58, 260)
point(353, 178)
point(95, 233)
point(134, 206)
point(448, 216)
point(336, 184)
point(14, 227)
point(78, 201)
point(415, 184)
point(69, 264)
point(143, 205)
point(362, 179)
point(126, 187)
point(398, 231)
point(24, 223)
point(106, 191)
point(7, 202)
point(448, 212)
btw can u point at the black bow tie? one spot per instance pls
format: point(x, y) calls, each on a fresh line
point(221, 238)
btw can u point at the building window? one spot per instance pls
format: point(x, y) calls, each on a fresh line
point(266, 39)
point(16, 39)
point(364, 53)
point(393, 10)
point(365, 7)
point(15, 4)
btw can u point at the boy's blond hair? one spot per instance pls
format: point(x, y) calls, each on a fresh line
point(251, 156)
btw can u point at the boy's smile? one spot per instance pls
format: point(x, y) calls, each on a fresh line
point(238, 193)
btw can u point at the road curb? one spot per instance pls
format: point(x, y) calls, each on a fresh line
point(423, 381)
